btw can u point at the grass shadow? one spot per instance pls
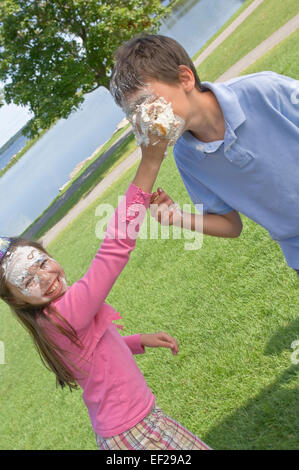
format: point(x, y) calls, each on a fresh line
point(283, 339)
point(270, 420)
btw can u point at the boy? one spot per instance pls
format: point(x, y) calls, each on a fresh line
point(239, 146)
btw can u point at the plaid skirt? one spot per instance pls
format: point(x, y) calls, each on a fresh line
point(155, 431)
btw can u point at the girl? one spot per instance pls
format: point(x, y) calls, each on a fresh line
point(73, 330)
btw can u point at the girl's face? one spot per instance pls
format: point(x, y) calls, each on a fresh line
point(33, 277)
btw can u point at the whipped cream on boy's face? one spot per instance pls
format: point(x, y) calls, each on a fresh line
point(151, 115)
point(33, 277)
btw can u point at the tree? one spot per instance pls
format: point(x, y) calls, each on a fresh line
point(53, 52)
point(1, 97)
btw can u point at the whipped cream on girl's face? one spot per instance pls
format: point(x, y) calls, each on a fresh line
point(33, 275)
point(150, 116)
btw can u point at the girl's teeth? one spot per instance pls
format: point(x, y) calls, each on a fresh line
point(54, 288)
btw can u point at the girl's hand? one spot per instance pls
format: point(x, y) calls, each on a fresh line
point(160, 340)
point(153, 146)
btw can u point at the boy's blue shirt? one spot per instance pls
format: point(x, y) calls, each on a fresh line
point(255, 169)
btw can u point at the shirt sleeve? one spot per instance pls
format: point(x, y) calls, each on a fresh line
point(133, 342)
point(288, 92)
point(200, 194)
point(85, 297)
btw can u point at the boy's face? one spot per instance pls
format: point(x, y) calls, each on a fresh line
point(157, 111)
point(172, 93)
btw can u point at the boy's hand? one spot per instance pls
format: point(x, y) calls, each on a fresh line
point(160, 197)
point(164, 210)
point(160, 340)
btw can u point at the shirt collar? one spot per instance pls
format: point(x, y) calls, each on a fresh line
point(229, 103)
point(233, 115)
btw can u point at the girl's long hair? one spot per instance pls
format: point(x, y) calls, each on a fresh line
point(53, 357)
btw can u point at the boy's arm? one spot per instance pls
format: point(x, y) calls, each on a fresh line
point(226, 225)
point(164, 210)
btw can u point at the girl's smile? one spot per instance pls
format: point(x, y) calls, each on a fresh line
point(56, 288)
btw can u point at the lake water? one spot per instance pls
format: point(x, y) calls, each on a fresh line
point(33, 182)
point(11, 151)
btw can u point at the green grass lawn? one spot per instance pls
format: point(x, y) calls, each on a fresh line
point(232, 305)
point(264, 21)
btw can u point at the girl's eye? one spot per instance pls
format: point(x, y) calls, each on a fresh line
point(29, 282)
point(44, 263)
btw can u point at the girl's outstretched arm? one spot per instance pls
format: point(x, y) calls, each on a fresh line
point(151, 160)
point(84, 298)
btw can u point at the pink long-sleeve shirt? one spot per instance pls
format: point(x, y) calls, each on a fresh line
point(114, 389)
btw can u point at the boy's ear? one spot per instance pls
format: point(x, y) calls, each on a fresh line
point(186, 77)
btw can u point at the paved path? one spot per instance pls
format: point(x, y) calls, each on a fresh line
point(261, 49)
point(227, 32)
point(255, 54)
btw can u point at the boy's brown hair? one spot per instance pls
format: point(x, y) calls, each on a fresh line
point(147, 57)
